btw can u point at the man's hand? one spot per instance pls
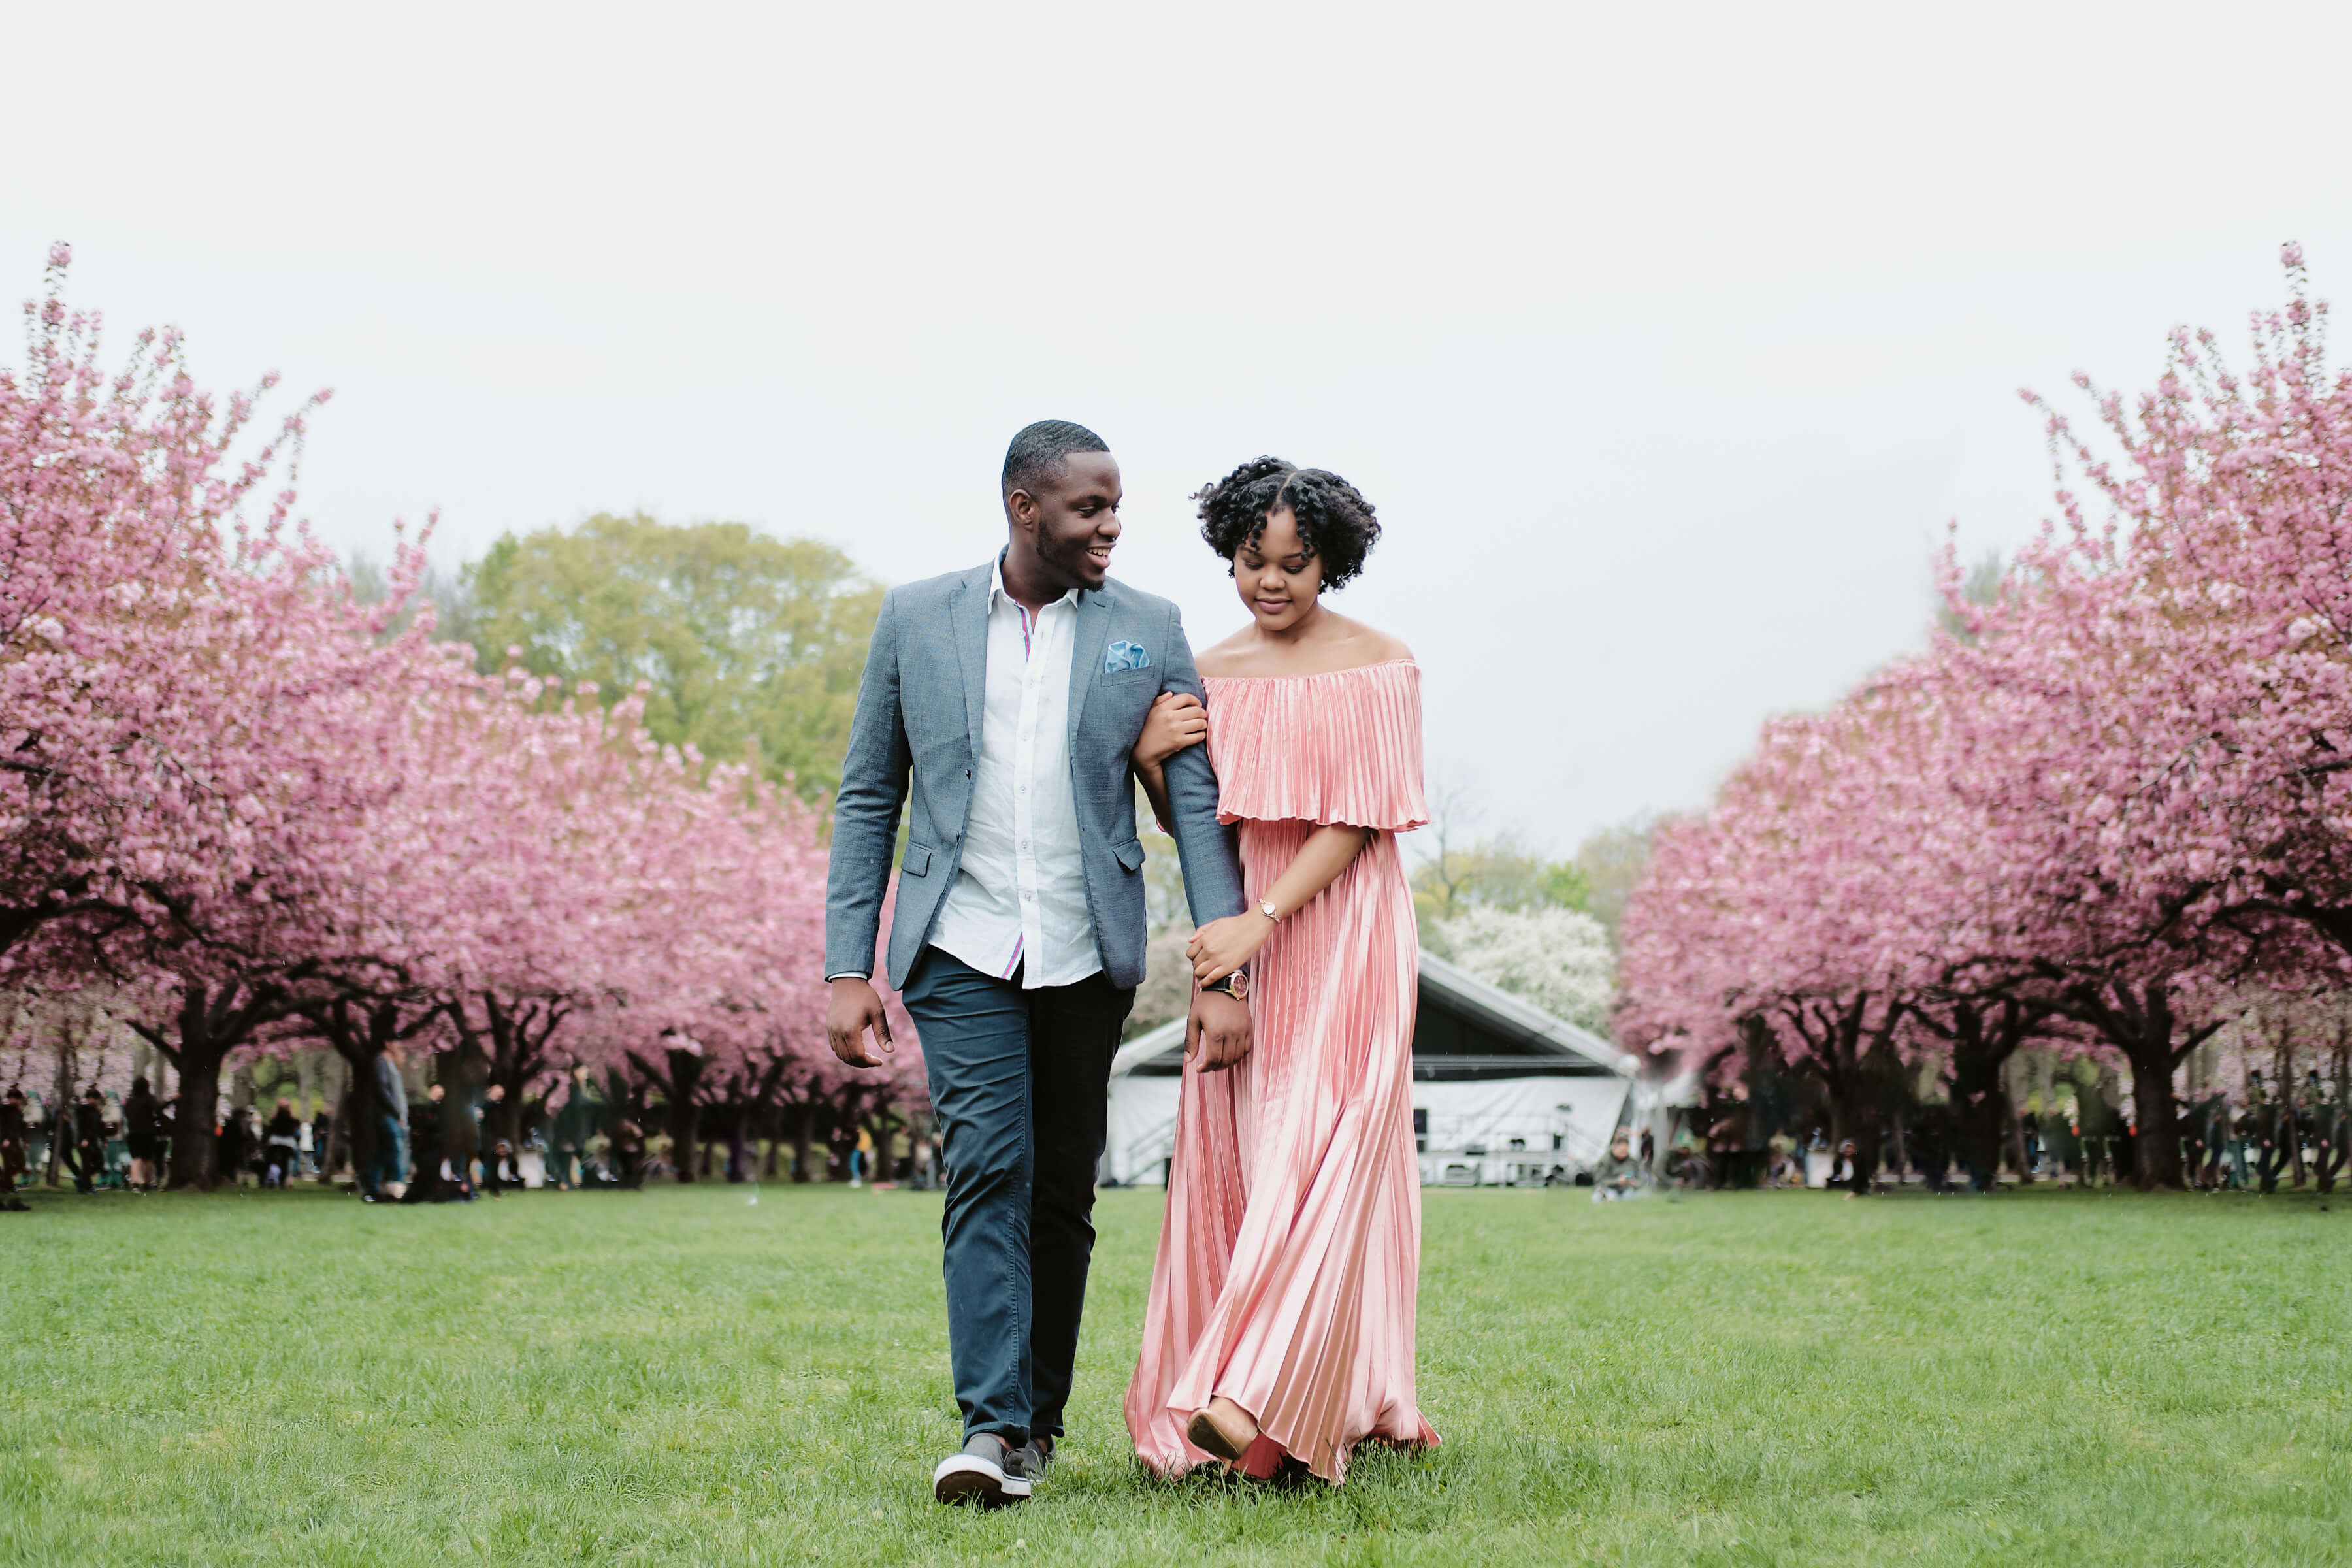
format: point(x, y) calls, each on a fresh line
point(856, 1007)
point(1217, 1033)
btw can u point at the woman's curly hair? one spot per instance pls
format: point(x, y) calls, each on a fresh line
point(1336, 523)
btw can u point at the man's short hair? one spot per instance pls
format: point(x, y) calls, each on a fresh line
point(1040, 450)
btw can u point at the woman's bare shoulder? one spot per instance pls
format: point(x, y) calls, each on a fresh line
point(1246, 656)
point(1230, 656)
point(1373, 646)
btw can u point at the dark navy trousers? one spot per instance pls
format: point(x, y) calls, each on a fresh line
point(1020, 1085)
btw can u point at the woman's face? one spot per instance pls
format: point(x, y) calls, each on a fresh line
point(1277, 578)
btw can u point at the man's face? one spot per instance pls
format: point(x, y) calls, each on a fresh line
point(1072, 515)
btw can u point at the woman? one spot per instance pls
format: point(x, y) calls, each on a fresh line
point(1280, 1324)
point(281, 1146)
point(142, 1121)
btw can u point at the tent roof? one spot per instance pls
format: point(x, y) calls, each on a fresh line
point(1540, 1034)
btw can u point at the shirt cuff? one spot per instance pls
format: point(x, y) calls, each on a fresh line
point(850, 974)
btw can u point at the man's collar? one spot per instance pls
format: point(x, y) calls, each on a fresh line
point(996, 587)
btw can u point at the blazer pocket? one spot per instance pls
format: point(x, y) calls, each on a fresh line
point(918, 859)
point(1130, 854)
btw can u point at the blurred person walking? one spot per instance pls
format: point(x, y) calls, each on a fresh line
point(143, 1133)
point(281, 1146)
point(15, 1159)
point(426, 1151)
point(384, 1177)
point(89, 1133)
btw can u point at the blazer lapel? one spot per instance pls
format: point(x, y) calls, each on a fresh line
point(1090, 639)
point(970, 616)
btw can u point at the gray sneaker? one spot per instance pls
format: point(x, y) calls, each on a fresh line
point(985, 1472)
point(1031, 1461)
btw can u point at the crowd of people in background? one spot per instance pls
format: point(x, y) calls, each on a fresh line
point(427, 1146)
point(2259, 1140)
point(433, 1145)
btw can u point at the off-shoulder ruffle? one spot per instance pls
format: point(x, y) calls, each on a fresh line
point(1342, 747)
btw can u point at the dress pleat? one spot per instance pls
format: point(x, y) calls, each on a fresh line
point(1290, 1251)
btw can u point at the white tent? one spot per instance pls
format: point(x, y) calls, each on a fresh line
point(1503, 1092)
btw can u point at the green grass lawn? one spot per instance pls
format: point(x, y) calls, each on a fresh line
point(678, 1376)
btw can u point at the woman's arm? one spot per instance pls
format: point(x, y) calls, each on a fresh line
point(1176, 722)
point(1155, 790)
point(1223, 946)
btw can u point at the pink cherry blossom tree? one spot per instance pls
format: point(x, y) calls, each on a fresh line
point(2110, 798)
point(268, 812)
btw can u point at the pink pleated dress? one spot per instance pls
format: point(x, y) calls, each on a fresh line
point(1290, 1252)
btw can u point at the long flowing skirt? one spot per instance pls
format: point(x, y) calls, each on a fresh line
point(1290, 1252)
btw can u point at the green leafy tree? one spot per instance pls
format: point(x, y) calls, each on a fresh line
point(1612, 861)
point(1497, 873)
point(747, 643)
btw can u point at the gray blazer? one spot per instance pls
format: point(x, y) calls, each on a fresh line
point(918, 715)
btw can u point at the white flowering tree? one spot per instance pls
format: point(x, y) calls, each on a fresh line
point(1558, 959)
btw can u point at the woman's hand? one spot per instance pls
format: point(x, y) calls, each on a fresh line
point(1176, 720)
point(1223, 946)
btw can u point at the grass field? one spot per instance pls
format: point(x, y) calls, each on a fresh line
point(678, 1376)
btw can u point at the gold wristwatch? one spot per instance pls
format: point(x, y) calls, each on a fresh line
point(1235, 986)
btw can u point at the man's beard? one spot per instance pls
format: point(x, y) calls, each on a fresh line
point(1070, 561)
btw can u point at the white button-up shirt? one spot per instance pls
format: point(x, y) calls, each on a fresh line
point(1019, 903)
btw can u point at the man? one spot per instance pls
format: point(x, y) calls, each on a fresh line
point(14, 1136)
point(427, 1121)
point(383, 1176)
point(574, 1125)
point(1000, 705)
point(90, 1139)
point(1617, 1175)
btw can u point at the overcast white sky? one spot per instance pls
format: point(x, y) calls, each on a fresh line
point(1665, 339)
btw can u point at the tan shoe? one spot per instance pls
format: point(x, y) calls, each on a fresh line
point(1225, 1429)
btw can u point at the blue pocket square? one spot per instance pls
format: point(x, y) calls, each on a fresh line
point(1125, 656)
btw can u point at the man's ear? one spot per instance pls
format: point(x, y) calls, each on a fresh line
point(1021, 510)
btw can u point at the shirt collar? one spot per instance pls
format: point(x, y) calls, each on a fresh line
point(996, 593)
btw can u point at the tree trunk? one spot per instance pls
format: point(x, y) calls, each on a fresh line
point(1866, 1141)
point(738, 1149)
point(685, 1076)
point(194, 1145)
point(505, 1118)
point(338, 1135)
point(2157, 1149)
point(1973, 1091)
point(803, 1134)
point(2140, 1026)
point(61, 1106)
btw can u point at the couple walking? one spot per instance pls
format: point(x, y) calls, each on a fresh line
point(1012, 709)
